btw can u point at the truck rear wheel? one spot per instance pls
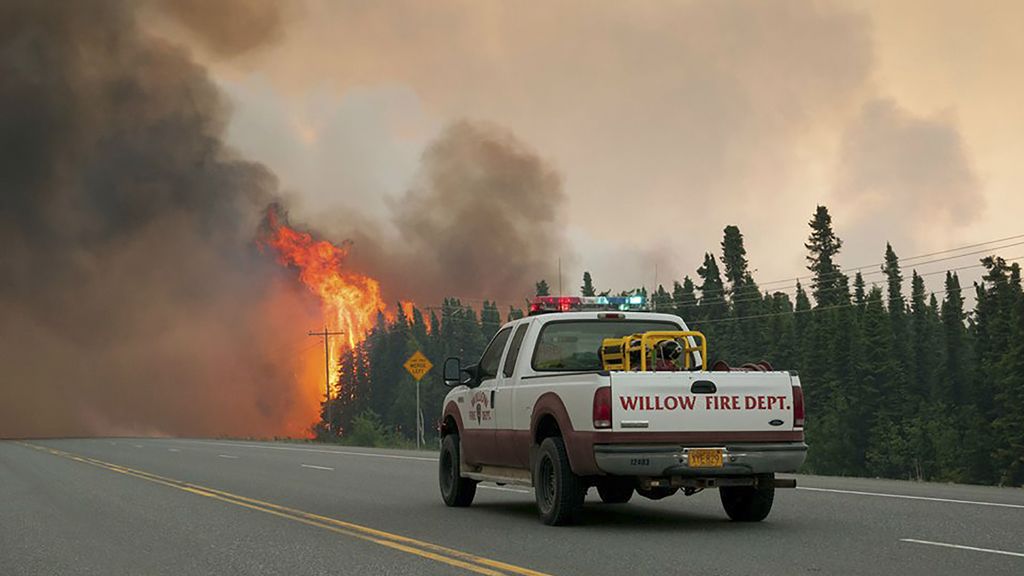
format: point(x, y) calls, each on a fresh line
point(456, 490)
point(558, 490)
point(749, 503)
point(615, 490)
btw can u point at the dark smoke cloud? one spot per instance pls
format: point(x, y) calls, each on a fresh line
point(902, 175)
point(484, 219)
point(131, 295)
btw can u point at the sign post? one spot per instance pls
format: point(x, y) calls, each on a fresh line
point(418, 365)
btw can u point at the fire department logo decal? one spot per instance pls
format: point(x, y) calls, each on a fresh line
point(481, 407)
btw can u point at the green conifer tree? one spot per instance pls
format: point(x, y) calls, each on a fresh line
point(588, 285)
point(823, 246)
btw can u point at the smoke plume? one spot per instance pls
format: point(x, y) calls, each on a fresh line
point(133, 299)
point(484, 217)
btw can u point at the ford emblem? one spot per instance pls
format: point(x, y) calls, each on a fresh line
point(776, 422)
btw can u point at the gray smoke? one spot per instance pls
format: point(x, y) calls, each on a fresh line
point(132, 297)
point(485, 214)
point(484, 219)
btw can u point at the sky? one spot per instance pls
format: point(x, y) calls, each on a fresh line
point(664, 121)
point(453, 148)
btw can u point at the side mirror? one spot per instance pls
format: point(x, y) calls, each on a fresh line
point(452, 371)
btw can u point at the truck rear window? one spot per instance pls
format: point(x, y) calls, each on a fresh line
point(573, 345)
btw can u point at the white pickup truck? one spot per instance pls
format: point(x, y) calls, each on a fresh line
point(540, 409)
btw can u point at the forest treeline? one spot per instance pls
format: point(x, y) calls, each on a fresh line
point(898, 383)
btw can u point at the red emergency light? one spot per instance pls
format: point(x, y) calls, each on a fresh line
point(555, 304)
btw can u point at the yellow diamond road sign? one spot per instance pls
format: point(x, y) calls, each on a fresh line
point(418, 365)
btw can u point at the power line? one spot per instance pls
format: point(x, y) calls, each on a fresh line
point(916, 257)
point(844, 305)
point(903, 262)
point(835, 289)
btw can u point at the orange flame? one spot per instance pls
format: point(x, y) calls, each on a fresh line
point(350, 301)
point(408, 307)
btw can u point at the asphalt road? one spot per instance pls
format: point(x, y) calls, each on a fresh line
point(176, 506)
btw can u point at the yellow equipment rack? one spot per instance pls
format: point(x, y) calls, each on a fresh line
point(615, 352)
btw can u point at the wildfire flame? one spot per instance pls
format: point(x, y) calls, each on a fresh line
point(350, 301)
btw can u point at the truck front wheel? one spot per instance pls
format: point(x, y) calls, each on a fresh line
point(558, 490)
point(749, 503)
point(456, 490)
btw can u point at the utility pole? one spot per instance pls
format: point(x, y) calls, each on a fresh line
point(327, 372)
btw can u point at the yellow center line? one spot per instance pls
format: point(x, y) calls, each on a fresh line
point(436, 552)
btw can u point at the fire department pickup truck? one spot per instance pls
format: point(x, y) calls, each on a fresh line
point(570, 398)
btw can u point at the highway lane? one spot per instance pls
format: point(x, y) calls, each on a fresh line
point(243, 513)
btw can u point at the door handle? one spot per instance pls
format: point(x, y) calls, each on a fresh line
point(703, 387)
point(492, 399)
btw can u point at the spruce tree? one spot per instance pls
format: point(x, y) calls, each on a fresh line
point(588, 286)
point(922, 337)
point(712, 308)
point(662, 300)
point(685, 299)
point(955, 374)
point(878, 434)
point(745, 297)
point(734, 259)
point(542, 288)
point(899, 393)
point(859, 296)
point(490, 320)
point(823, 246)
point(894, 282)
point(712, 290)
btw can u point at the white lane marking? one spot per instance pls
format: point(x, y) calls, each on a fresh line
point(321, 451)
point(503, 489)
point(173, 450)
point(316, 467)
point(227, 456)
point(137, 445)
point(960, 547)
point(908, 497)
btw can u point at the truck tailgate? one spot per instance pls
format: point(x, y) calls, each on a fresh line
point(701, 401)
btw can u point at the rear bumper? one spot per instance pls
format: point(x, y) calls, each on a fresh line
point(658, 460)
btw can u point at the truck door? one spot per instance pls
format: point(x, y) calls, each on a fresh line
point(506, 441)
point(479, 446)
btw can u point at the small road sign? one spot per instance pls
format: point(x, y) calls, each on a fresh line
point(418, 365)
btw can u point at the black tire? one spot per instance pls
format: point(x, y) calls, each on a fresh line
point(558, 490)
point(456, 490)
point(749, 503)
point(615, 490)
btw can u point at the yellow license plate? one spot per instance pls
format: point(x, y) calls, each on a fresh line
point(704, 458)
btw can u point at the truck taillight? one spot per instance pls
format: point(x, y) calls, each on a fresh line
point(798, 407)
point(603, 407)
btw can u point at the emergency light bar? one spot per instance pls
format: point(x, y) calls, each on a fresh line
point(543, 304)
